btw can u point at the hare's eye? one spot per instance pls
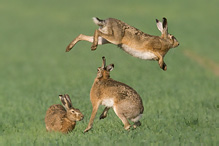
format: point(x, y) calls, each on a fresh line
point(73, 111)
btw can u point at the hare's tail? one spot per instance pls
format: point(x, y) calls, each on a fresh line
point(98, 21)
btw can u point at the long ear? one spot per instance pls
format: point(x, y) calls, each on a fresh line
point(61, 97)
point(165, 28)
point(66, 101)
point(104, 62)
point(159, 25)
point(110, 67)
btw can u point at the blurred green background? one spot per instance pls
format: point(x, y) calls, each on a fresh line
point(180, 104)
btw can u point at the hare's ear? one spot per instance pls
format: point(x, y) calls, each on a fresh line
point(159, 25)
point(162, 27)
point(110, 67)
point(165, 28)
point(66, 101)
point(104, 62)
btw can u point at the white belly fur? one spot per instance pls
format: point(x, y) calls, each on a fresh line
point(108, 102)
point(140, 54)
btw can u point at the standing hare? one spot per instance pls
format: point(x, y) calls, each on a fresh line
point(62, 119)
point(124, 100)
point(131, 40)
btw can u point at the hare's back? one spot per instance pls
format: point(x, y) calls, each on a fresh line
point(54, 116)
point(121, 90)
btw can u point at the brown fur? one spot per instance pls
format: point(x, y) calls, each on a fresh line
point(131, 40)
point(60, 119)
point(127, 103)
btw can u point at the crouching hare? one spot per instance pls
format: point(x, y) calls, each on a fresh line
point(124, 100)
point(131, 40)
point(62, 119)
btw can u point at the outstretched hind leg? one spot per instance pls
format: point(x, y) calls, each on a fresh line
point(82, 37)
point(77, 39)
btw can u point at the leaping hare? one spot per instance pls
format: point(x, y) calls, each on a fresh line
point(62, 119)
point(124, 100)
point(131, 40)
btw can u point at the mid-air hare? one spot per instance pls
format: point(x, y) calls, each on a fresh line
point(62, 119)
point(124, 100)
point(131, 40)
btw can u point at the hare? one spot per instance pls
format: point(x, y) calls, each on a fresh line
point(62, 119)
point(131, 40)
point(124, 100)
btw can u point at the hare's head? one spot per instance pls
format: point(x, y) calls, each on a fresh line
point(72, 113)
point(162, 26)
point(104, 71)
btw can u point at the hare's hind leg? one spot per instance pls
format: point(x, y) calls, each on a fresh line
point(136, 121)
point(122, 118)
point(104, 113)
point(78, 38)
point(82, 37)
point(110, 38)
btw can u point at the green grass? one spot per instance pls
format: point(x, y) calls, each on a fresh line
point(181, 104)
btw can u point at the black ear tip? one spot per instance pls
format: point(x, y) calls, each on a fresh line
point(103, 57)
point(164, 19)
point(157, 20)
point(112, 65)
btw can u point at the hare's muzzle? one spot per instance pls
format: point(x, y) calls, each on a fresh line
point(81, 117)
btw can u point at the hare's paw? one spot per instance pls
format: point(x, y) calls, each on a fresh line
point(68, 49)
point(164, 67)
point(102, 116)
point(93, 47)
point(127, 127)
point(87, 129)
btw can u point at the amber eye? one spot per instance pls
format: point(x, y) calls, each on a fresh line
point(73, 111)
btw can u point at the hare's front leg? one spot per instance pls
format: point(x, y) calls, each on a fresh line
point(104, 113)
point(93, 114)
point(162, 64)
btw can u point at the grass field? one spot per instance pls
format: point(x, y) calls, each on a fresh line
point(181, 104)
